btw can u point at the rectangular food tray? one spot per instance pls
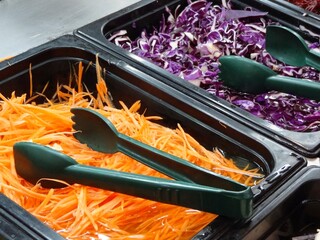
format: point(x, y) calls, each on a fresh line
point(51, 63)
point(148, 14)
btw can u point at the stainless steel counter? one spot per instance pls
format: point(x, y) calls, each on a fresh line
point(27, 24)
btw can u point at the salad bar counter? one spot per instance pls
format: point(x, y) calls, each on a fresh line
point(213, 125)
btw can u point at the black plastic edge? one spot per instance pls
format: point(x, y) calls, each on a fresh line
point(17, 223)
point(267, 211)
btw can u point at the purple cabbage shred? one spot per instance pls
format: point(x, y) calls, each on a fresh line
point(189, 44)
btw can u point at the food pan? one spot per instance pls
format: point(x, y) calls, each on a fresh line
point(51, 64)
point(292, 213)
point(148, 14)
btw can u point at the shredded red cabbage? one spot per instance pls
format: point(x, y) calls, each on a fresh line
point(190, 43)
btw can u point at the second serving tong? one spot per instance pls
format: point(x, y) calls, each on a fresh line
point(246, 75)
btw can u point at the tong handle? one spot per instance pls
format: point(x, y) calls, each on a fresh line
point(35, 162)
point(313, 59)
point(300, 87)
point(173, 166)
point(234, 204)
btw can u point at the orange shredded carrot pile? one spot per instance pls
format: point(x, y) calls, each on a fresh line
point(81, 212)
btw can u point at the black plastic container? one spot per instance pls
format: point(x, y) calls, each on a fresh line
point(148, 13)
point(294, 211)
point(16, 223)
point(52, 62)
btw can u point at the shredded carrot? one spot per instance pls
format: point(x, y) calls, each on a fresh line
point(80, 72)
point(81, 212)
point(31, 83)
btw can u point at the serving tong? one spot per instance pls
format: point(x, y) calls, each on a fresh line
point(193, 187)
point(246, 75)
point(289, 47)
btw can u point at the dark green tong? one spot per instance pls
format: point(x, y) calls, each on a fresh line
point(289, 47)
point(194, 186)
point(246, 75)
